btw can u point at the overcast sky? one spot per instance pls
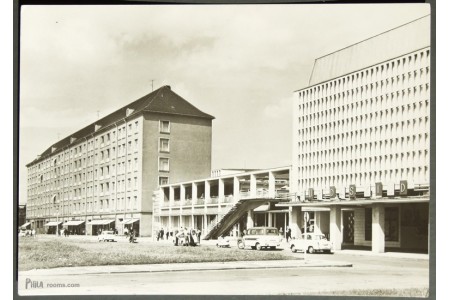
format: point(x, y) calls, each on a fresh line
point(240, 64)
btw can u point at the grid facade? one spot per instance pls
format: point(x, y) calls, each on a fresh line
point(98, 174)
point(367, 126)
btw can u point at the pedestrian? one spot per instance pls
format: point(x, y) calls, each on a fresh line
point(167, 235)
point(175, 233)
point(131, 235)
point(33, 233)
point(288, 234)
point(199, 233)
point(125, 231)
point(186, 237)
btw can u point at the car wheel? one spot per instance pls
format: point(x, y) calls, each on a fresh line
point(310, 250)
point(241, 245)
point(293, 249)
point(258, 246)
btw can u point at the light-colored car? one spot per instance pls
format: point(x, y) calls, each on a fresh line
point(106, 236)
point(259, 238)
point(223, 242)
point(312, 242)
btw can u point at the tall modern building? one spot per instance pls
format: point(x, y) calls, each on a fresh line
point(361, 143)
point(103, 176)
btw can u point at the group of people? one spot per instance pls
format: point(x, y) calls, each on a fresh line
point(286, 234)
point(130, 234)
point(161, 234)
point(185, 237)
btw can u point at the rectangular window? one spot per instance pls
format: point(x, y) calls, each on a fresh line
point(163, 180)
point(164, 164)
point(391, 225)
point(163, 145)
point(164, 126)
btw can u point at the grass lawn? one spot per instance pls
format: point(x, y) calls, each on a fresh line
point(45, 252)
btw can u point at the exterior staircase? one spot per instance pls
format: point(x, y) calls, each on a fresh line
point(240, 208)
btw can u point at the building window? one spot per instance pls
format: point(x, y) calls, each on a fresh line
point(164, 126)
point(163, 180)
point(391, 224)
point(164, 164)
point(163, 145)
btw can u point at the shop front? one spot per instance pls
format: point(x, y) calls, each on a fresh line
point(75, 227)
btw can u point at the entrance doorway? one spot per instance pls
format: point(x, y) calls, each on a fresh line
point(348, 223)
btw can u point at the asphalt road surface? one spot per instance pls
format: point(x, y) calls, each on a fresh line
point(368, 272)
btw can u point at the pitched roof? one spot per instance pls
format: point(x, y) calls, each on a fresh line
point(162, 100)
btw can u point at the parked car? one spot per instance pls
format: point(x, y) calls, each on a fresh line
point(223, 242)
point(23, 232)
point(107, 236)
point(312, 242)
point(259, 238)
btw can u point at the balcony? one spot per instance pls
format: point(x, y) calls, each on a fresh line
point(212, 200)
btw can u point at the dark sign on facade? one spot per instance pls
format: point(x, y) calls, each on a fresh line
point(352, 191)
point(403, 188)
point(332, 192)
point(379, 189)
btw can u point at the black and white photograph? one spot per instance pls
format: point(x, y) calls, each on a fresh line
point(225, 150)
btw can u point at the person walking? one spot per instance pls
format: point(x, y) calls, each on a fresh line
point(288, 234)
point(199, 233)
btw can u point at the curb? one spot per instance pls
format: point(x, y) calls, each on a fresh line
point(159, 268)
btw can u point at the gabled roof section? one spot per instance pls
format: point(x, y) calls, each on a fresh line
point(162, 100)
point(168, 102)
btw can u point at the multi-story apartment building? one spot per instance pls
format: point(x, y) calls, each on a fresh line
point(103, 176)
point(361, 143)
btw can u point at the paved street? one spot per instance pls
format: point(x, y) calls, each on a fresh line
point(367, 271)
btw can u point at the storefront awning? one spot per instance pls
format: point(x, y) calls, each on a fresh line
point(101, 222)
point(53, 223)
point(73, 223)
point(26, 224)
point(130, 221)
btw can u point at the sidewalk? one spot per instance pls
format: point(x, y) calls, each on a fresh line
point(269, 264)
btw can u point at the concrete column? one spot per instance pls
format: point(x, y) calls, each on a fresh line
point(250, 222)
point(295, 220)
point(221, 190)
point(182, 193)
point(171, 195)
point(271, 185)
point(207, 190)
point(270, 219)
point(335, 227)
point(378, 243)
point(252, 185)
point(205, 223)
point(236, 189)
point(170, 222)
point(194, 192)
